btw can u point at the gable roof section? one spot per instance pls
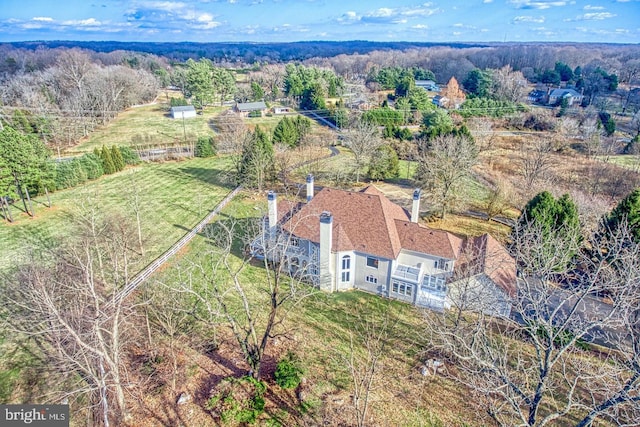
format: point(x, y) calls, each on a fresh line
point(559, 93)
point(182, 108)
point(251, 106)
point(416, 238)
point(485, 255)
point(363, 221)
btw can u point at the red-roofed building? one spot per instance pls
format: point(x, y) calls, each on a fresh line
point(342, 240)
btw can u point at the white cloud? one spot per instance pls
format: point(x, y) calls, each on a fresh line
point(420, 27)
point(537, 4)
point(42, 19)
point(589, 7)
point(487, 1)
point(91, 22)
point(527, 18)
point(595, 16)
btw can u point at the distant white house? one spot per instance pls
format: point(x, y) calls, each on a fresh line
point(183, 112)
point(572, 97)
point(282, 110)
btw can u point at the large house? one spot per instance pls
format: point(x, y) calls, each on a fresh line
point(557, 95)
point(340, 240)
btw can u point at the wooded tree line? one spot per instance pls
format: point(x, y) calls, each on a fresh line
point(67, 95)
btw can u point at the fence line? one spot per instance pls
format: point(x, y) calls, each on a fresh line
point(158, 262)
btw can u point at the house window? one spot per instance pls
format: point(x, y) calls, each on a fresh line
point(371, 279)
point(399, 288)
point(346, 269)
point(372, 262)
point(441, 264)
point(294, 242)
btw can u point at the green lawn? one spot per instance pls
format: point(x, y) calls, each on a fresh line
point(174, 197)
point(628, 161)
point(149, 125)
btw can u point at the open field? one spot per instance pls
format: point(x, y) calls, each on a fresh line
point(628, 161)
point(148, 125)
point(174, 196)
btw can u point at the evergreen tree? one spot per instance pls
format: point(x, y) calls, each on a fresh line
point(118, 160)
point(627, 211)
point(257, 160)
point(556, 224)
point(257, 92)
point(478, 83)
point(205, 147)
point(384, 163)
point(24, 163)
point(285, 132)
point(107, 161)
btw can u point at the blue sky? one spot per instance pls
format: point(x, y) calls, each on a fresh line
point(612, 21)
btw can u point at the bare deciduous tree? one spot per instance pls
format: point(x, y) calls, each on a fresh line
point(362, 138)
point(443, 164)
point(482, 132)
point(64, 305)
point(364, 359)
point(536, 161)
point(536, 368)
point(254, 312)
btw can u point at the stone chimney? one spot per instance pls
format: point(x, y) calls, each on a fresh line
point(273, 209)
point(309, 187)
point(326, 237)
point(415, 207)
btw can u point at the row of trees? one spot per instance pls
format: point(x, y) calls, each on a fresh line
point(72, 94)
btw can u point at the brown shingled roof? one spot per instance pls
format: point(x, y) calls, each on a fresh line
point(363, 221)
point(428, 241)
point(368, 222)
point(485, 255)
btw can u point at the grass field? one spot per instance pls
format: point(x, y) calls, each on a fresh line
point(149, 125)
point(628, 161)
point(174, 197)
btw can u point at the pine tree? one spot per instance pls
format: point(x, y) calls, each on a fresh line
point(557, 225)
point(257, 160)
point(627, 211)
point(118, 160)
point(107, 161)
point(285, 132)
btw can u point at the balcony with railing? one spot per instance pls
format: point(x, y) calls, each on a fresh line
point(405, 272)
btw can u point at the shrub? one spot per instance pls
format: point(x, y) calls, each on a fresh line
point(288, 372)
point(255, 113)
point(240, 400)
point(129, 156)
point(205, 147)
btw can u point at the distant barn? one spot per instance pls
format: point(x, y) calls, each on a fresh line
point(245, 108)
point(183, 112)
